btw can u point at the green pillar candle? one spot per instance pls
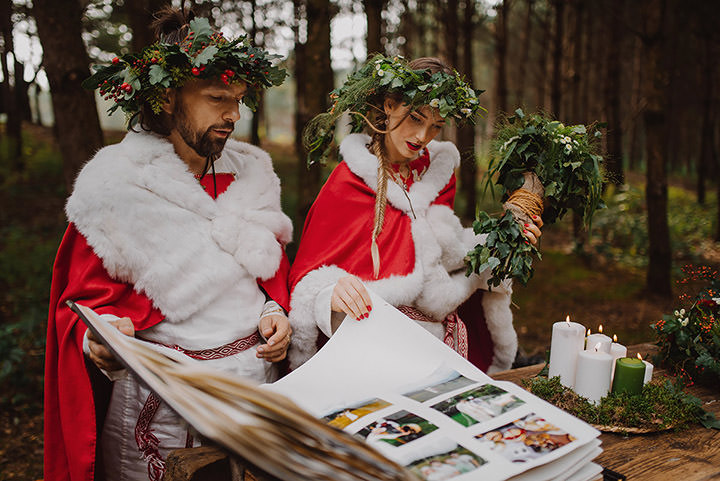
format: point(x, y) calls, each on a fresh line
point(629, 375)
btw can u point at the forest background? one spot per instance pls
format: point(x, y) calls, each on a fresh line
point(647, 68)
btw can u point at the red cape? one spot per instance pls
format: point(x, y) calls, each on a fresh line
point(338, 232)
point(76, 392)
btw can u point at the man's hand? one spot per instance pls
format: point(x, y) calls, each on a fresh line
point(100, 355)
point(276, 329)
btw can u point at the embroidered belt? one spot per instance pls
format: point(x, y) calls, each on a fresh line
point(227, 350)
point(455, 330)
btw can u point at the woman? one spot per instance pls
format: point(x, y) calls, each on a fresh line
point(384, 219)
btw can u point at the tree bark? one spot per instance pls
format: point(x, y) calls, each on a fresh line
point(501, 84)
point(578, 72)
point(466, 134)
point(655, 94)
point(66, 64)
point(525, 52)
point(556, 82)
point(8, 90)
point(313, 86)
point(140, 17)
point(258, 115)
point(452, 33)
point(543, 61)
point(706, 132)
point(614, 159)
point(373, 12)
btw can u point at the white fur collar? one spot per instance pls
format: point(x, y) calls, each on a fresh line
point(151, 223)
point(444, 158)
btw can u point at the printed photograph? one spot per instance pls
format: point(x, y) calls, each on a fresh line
point(345, 417)
point(525, 439)
point(453, 382)
point(446, 465)
point(478, 405)
point(397, 429)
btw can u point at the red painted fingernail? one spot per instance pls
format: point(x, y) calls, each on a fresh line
point(369, 308)
point(527, 225)
point(534, 217)
point(524, 232)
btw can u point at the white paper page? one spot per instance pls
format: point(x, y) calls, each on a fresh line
point(363, 371)
point(564, 467)
point(591, 472)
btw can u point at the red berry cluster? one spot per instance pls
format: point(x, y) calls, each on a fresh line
point(114, 90)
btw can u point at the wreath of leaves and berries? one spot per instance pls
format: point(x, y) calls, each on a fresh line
point(567, 163)
point(136, 78)
point(380, 76)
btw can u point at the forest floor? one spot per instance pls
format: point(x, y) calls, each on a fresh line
point(588, 289)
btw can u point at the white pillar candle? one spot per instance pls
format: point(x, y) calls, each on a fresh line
point(648, 370)
point(567, 341)
point(592, 379)
point(617, 351)
point(599, 338)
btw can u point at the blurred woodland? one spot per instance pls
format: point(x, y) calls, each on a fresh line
point(648, 69)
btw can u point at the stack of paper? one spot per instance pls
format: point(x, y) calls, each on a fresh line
point(388, 381)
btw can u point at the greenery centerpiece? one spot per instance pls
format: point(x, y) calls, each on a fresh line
point(689, 338)
point(662, 404)
point(543, 167)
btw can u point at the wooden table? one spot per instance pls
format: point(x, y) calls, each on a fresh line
point(688, 455)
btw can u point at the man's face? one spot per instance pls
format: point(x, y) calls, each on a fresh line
point(205, 114)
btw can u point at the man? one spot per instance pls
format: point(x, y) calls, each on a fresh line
point(176, 236)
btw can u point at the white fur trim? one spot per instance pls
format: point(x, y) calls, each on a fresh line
point(499, 319)
point(361, 162)
point(150, 222)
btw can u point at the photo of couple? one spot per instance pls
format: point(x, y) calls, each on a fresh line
point(478, 404)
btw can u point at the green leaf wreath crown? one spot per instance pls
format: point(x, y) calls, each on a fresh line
point(381, 76)
point(136, 78)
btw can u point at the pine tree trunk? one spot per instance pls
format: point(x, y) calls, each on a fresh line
point(257, 116)
point(543, 62)
point(655, 94)
point(525, 53)
point(373, 12)
point(501, 84)
point(66, 64)
point(466, 134)
point(556, 82)
point(314, 83)
point(706, 132)
point(614, 159)
point(13, 124)
point(577, 69)
point(140, 17)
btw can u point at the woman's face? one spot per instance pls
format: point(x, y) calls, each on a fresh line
point(408, 132)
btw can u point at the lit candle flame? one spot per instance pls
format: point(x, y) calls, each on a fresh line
point(588, 333)
point(639, 356)
point(600, 328)
point(567, 319)
point(614, 337)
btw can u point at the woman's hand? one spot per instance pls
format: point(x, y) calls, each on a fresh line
point(276, 329)
point(101, 355)
point(351, 297)
point(532, 230)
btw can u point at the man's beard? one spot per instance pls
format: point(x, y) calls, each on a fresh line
point(204, 143)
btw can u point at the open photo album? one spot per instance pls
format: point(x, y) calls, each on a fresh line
point(390, 383)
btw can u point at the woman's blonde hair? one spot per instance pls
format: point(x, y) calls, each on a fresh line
point(377, 129)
